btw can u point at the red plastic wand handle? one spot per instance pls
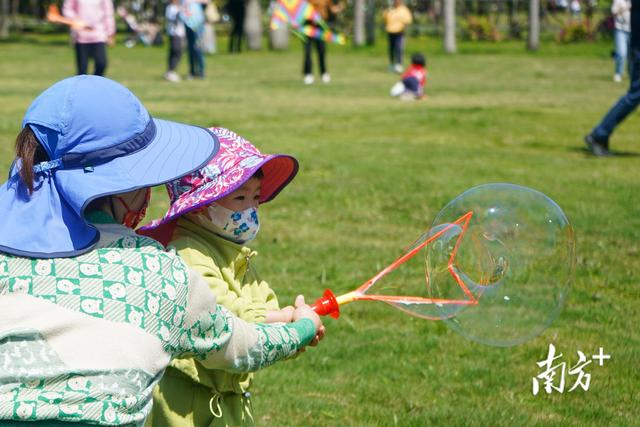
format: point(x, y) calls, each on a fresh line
point(327, 305)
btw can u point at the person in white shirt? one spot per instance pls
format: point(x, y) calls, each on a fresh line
point(622, 31)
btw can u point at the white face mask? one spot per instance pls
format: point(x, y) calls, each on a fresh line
point(237, 226)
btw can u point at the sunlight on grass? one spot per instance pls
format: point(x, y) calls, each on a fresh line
point(374, 173)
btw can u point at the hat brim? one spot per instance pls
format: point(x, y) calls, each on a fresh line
point(278, 170)
point(50, 223)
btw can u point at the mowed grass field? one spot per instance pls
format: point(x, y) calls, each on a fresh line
point(374, 172)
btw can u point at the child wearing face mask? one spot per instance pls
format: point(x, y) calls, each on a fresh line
point(213, 216)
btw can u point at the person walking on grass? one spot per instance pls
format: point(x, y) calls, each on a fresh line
point(90, 41)
point(597, 140)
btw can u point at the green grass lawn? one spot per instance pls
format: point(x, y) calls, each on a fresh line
point(374, 173)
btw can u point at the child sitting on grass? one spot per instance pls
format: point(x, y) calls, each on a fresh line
point(213, 215)
point(411, 85)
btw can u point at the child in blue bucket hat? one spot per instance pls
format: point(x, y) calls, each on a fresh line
point(91, 313)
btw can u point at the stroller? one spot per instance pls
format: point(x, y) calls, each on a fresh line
point(147, 32)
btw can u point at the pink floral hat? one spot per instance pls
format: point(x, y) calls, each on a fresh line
point(233, 165)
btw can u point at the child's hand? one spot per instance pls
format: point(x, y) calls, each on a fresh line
point(302, 310)
point(284, 315)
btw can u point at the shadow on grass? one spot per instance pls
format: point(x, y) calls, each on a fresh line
point(54, 40)
point(282, 83)
point(588, 153)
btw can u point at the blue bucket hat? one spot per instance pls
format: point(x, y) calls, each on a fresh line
point(101, 141)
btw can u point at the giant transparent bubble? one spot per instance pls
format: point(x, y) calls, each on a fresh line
point(496, 266)
point(502, 276)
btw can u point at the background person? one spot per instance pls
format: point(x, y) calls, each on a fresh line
point(91, 41)
point(396, 18)
point(598, 140)
point(327, 10)
point(192, 15)
point(176, 33)
point(620, 9)
point(237, 10)
point(411, 86)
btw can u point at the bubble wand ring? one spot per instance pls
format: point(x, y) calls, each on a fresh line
point(329, 303)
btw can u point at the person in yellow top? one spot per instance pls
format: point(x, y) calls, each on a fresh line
point(213, 215)
point(396, 19)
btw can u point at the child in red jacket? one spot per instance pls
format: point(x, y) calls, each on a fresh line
point(413, 80)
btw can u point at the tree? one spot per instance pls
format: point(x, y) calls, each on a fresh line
point(449, 26)
point(358, 23)
point(279, 38)
point(253, 25)
point(370, 22)
point(5, 19)
point(512, 13)
point(533, 41)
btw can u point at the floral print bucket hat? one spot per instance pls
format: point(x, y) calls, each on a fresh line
point(235, 163)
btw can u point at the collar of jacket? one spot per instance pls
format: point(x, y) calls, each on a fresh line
point(234, 252)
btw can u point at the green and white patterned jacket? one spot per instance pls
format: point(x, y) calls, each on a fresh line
point(87, 338)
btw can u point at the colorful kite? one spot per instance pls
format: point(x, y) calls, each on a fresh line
point(304, 20)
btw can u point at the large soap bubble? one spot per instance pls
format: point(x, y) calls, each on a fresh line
point(499, 260)
point(512, 262)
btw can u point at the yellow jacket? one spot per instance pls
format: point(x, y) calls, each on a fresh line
point(396, 19)
point(226, 266)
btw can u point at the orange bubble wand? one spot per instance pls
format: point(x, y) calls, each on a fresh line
point(329, 303)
